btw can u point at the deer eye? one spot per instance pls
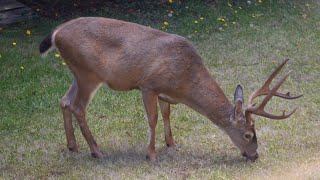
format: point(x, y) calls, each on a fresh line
point(248, 136)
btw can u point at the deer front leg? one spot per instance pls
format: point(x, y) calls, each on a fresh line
point(165, 111)
point(150, 103)
point(67, 117)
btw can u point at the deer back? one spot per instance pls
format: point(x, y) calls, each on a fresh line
point(126, 55)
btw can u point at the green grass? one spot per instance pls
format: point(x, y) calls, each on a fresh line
point(32, 143)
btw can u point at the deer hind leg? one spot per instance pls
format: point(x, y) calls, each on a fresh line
point(165, 112)
point(150, 103)
point(86, 89)
point(65, 103)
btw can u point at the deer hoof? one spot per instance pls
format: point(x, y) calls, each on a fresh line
point(151, 157)
point(98, 155)
point(172, 145)
point(73, 149)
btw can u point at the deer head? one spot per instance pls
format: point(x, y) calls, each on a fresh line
point(242, 131)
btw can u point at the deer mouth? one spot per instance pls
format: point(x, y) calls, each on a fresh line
point(252, 158)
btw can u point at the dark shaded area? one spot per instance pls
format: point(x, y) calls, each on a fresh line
point(12, 11)
point(67, 8)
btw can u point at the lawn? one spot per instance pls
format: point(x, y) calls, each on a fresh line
point(239, 44)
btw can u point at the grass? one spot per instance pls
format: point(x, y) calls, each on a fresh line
point(31, 126)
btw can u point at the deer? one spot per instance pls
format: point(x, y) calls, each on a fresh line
point(165, 67)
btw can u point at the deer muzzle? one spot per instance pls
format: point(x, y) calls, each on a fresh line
point(251, 158)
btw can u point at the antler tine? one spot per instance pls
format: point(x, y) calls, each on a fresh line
point(264, 90)
point(274, 90)
point(282, 95)
point(270, 93)
point(275, 72)
point(286, 96)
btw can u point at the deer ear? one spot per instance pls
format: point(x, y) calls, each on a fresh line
point(238, 108)
point(238, 101)
point(237, 112)
point(238, 94)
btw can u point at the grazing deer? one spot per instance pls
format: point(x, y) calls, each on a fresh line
point(166, 68)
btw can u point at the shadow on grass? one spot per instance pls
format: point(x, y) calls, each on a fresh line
point(167, 157)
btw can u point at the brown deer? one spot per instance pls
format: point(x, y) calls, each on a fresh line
point(164, 67)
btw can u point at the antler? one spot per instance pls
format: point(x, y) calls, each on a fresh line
point(265, 90)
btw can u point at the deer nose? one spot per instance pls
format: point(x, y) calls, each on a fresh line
point(244, 154)
point(251, 158)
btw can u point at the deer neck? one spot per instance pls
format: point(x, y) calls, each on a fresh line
point(207, 98)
